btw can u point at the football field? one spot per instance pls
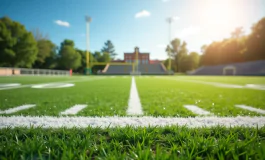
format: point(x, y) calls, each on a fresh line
point(125, 117)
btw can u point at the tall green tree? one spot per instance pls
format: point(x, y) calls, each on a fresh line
point(256, 42)
point(179, 51)
point(109, 48)
point(238, 48)
point(83, 66)
point(69, 58)
point(18, 47)
point(46, 54)
point(46, 57)
point(181, 56)
point(194, 58)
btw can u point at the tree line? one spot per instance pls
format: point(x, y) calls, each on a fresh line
point(181, 59)
point(238, 48)
point(32, 49)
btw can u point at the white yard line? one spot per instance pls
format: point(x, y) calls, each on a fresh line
point(29, 85)
point(217, 84)
point(251, 109)
point(134, 105)
point(104, 122)
point(196, 110)
point(16, 109)
point(74, 110)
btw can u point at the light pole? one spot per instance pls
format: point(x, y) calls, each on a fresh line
point(169, 20)
point(88, 69)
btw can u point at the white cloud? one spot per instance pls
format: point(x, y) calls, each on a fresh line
point(143, 13)
point(161, 46)
point(62, 23)
point(192, 30)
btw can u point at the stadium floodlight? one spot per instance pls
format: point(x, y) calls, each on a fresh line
point(88, 21)
point(169, 20)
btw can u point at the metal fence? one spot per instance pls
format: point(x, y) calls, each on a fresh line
point(5, 71)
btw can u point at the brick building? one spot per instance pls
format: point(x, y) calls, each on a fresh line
point(144, 58)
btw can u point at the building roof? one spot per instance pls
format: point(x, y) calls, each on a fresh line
point(134, 53)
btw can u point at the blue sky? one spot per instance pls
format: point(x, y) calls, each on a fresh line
point(130, 23)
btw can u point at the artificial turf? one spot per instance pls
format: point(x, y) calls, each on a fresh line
point(167, 96)
point(103, 97)
point(108, 96)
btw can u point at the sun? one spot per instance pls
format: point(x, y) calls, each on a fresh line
point(220, 13)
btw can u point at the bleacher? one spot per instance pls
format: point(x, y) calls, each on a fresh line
point(143, 69)
point(245, 68)
point(118, 70)
point(152, 69)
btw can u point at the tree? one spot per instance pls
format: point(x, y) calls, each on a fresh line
point(238, 32)
point(38, 35)
point(203, 48)
point(194, 58)
point(46, 57)
point(69, 58)
point(179, 50)
point(181, 56)
point(18, 47)
point(83, 65)
point(256, 42)
point(109, 48)
point(175, 46)
point(46, 52)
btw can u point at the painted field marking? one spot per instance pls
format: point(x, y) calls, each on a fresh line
point(196, 110)
point(255, 86)
point(134, 105)
point(29, 85)
point(53, 85)
point(251, 109)
point(74, 110)
point(4, 85)
point(224, 85)
point(16, 109)
point(105, 122)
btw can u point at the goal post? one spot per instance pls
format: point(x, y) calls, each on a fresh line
point(229, 68)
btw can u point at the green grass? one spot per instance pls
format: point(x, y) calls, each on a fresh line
point(166, 97)
point(133, 143)
point(103, 96)
point(241, 80)
point(108, 96)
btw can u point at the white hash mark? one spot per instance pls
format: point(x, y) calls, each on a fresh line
point(196, 110)
point(16, 109)
point(251, 109)
point(74, 110)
